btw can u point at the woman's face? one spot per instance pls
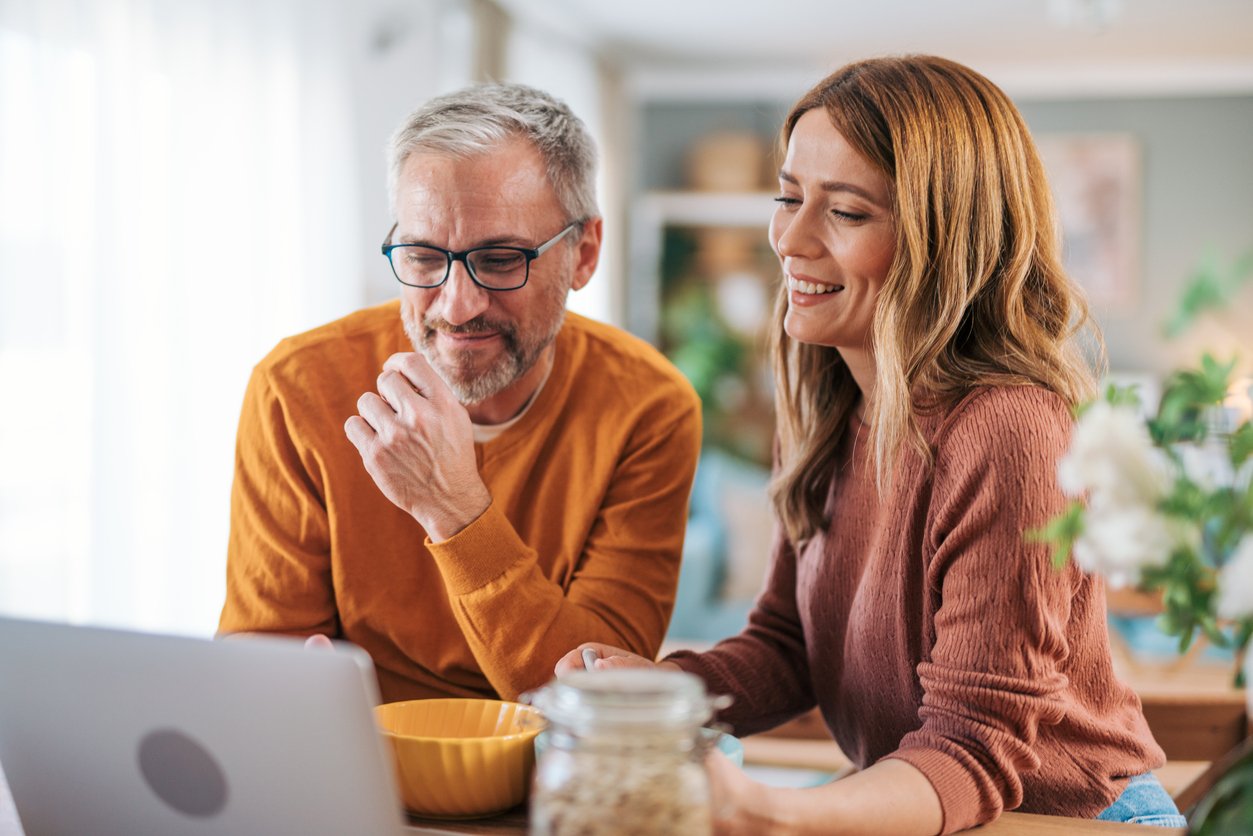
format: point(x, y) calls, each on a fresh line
point(835, 236)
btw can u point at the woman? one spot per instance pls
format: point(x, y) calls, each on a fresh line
point(926, 364)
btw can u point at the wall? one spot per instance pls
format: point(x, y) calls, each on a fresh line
point(402, 54)
point(1197, 193)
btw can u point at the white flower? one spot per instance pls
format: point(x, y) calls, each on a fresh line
point(1113, 460)
point(1235, 582)
point(1119, 541)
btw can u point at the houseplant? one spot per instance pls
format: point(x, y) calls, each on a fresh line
point(1160, 500)
point(1165, 505)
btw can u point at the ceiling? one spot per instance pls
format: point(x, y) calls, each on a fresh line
point(1064, 47)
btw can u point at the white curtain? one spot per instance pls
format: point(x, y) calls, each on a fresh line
point(177, 191)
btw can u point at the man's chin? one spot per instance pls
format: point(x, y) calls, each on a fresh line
point(473, 383)
point(461, 368)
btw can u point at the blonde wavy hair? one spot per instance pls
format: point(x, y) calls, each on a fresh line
point(976, 294)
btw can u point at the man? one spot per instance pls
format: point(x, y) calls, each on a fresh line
point(468, 482)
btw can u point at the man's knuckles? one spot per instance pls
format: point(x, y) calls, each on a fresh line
point(410, 364)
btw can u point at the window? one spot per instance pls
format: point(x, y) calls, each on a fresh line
point(178, 190)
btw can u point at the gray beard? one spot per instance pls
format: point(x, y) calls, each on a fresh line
point(471, 386)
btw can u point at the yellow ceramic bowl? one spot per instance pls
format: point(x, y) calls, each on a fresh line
point(460, 758)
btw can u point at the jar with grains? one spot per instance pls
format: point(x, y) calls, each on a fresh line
point(623, 754)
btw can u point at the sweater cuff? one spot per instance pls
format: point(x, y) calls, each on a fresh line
point(956, 788)
point(479, 553)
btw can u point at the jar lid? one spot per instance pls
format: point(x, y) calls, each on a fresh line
point(630, 697)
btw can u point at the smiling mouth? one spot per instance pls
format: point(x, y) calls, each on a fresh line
point(464, 345)
point(812, 288)
point(477, 335)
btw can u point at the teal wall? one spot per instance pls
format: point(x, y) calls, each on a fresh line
point(1197, 199)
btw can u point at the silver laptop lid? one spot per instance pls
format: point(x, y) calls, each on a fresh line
point(112, 732)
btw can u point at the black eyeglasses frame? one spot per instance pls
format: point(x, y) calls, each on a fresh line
point(530, 253)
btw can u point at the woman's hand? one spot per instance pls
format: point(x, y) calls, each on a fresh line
point(740, 805)
point(608, 657)
point(890, 797)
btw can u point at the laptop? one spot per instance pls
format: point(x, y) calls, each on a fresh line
point(112, 732)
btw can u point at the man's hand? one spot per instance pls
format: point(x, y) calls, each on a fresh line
point(417, 443)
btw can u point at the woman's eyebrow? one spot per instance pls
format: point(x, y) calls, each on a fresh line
point(832, 186)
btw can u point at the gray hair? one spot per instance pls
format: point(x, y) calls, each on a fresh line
point(477, 118)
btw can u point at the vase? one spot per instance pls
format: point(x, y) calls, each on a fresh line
point(1227, 809)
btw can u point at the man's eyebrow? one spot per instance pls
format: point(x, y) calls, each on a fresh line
point(505, 241)
point(498, 241)
point(832, 186)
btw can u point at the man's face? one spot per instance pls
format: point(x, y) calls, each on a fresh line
point(482, 341)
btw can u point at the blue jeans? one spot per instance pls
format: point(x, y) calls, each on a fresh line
point(1144, 801)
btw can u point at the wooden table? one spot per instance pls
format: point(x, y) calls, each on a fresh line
point(514, 822)
point(1009, 824)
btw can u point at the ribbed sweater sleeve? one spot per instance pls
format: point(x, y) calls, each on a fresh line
point(1000, 633)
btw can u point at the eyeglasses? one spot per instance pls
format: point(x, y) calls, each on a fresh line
point(491, 268)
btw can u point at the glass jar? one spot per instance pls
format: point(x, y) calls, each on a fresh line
point(622, 754)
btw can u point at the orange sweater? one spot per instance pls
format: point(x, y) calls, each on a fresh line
point(581, 543)
point(926, 628)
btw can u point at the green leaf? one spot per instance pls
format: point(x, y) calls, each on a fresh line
point(1185, 397)
point(1061, 531)
point(1186, 499)
point(1228, 516)
point(1211, 630)
point(1240, 445)
point(1185, 637)
point(1215, 378)
point(1202, 292)
point(1212, 287)
point(1227, 809)
point(1128, 395)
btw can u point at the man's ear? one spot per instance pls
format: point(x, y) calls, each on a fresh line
point(587, 252)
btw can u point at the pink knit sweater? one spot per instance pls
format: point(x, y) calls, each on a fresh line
point(927, 629)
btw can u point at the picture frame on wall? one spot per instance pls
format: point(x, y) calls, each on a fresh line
point(1096, 182)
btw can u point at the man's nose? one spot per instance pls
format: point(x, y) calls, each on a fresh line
point(462, 299)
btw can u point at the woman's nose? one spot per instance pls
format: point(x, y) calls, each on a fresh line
point(796, 235)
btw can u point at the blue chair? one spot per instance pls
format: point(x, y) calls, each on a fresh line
point(703, 612)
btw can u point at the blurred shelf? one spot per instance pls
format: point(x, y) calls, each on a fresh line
point(692, 208)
